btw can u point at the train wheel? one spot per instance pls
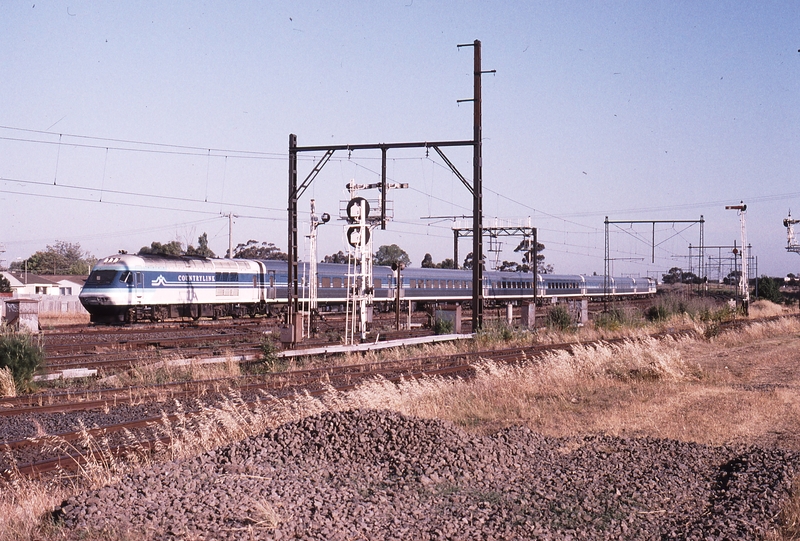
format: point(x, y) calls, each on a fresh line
point(160, 313)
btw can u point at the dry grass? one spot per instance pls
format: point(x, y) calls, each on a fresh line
point(148, 372)
point(765, 308)
point(714, 391)
point(23, 503)
point(7, 386)
point(50, 320)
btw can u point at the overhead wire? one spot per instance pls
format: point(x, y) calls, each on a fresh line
point(138, 194)
point(246, 154)
point(133, 142)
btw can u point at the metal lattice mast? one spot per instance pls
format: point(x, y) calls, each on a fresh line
point(313, 279)
point(360, 292)
point(606, 270)
point(744, 280)
point(791, 241)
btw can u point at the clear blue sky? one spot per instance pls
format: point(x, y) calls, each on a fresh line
point(130, 122)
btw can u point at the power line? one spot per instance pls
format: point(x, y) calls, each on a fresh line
point(136, 194)
point(135, 205)
point(132, 142)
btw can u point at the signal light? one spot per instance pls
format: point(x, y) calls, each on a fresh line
point(354, 235)
point(354, 209)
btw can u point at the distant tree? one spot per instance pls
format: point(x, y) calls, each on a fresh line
point(446, 264)
point(673, 276)
point(61, 258)
point(427, 263)
point(172, 247)
point(527, 256)
point(252, 249)
point(388, 254)
point(509, 266)
point(338, 257)
point(526, 247)
point(5, 285)
point(202, 247)
point(732, 278)
point(691, 278)
point(770, 289)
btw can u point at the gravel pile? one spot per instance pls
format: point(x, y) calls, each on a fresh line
point(380, 475)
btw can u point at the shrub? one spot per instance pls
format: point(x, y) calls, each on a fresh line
point(770, 289)
point(558, 318)
point(23, 355)
point(657, 313)
point(498, 330)
point(610, 320)
point(269, 358)
point(442, 326)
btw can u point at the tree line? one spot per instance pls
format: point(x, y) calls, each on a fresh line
point(68, 258)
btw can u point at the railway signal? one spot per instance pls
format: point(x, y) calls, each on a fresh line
point(791, 241)
point(744, 279)
point(313, 281)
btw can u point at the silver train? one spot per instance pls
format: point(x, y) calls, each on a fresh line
point(131, 288)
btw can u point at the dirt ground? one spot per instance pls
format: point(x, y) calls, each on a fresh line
point(740, 387)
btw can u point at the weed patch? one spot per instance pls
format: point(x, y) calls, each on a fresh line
point(22, 354)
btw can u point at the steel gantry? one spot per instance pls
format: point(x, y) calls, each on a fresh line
point(476, 189)
point(527, 233)
point(607, 259)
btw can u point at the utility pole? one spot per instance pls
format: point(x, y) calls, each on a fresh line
point(230, 217)
point(477, 190)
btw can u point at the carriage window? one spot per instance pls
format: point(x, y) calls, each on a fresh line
point(126, 277)
point(101, 277)
point(376, 283)
point(326, 281)
point(337, 282)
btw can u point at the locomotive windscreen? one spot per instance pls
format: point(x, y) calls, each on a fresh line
point(101, 278)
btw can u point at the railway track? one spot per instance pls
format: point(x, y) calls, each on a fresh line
point(122, 348)
point(34, 454)
point(251, 389)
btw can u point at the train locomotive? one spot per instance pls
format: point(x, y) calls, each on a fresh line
point(128, 288)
